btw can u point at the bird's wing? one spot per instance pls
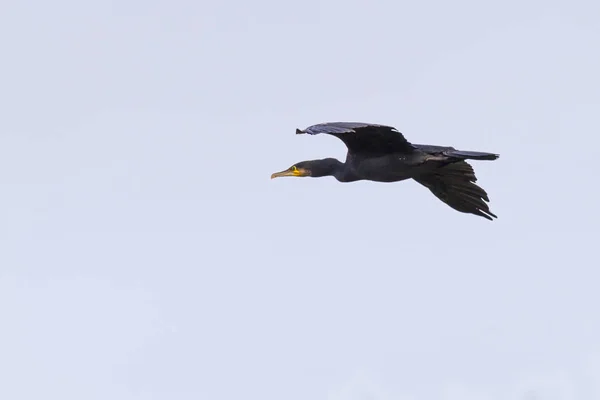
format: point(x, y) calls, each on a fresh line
point(364, 137)
point(454, 184)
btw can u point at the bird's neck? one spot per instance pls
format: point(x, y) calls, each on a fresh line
point(330, 167)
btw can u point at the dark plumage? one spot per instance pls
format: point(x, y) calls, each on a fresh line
point(381, 153)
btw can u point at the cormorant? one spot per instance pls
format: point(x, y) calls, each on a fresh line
point(381, 153)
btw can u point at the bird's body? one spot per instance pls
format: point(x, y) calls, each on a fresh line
point(392, 167)
point(380, 153)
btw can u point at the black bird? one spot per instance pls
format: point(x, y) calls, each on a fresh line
point(381, 153)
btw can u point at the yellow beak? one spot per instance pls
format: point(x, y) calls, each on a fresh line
point(290, 172)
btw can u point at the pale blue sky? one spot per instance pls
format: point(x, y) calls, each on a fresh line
point(145, 253)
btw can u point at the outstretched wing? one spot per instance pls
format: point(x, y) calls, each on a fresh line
point(362, 137)
point(454, 184)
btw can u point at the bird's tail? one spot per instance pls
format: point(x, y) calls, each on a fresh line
point(472, 155)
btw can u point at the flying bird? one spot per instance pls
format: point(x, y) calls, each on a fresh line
point(380, 153)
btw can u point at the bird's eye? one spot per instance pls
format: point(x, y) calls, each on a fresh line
point(294, 168)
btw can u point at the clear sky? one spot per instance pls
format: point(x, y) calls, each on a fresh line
point(145, 254)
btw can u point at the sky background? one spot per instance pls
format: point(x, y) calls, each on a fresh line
point(145, 254)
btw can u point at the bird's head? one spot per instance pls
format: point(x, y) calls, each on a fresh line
point(314, 168)
point(300, 169)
